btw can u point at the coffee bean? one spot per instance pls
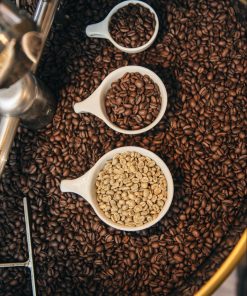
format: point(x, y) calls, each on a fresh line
point(210, 76)
point(132, 255)
point(141, 111)
point(178, 258)
point(195, 233)
point(218, 232)
point(201, 138)
point(240, 175)
point(132, 26)
point(139, 83)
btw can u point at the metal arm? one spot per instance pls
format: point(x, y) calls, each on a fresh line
point(43, 16)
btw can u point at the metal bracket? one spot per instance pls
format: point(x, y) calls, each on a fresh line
point(29, 263)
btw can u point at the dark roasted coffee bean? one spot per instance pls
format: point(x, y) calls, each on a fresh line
point(178, 258)
point(139, 112)
point(132, 25)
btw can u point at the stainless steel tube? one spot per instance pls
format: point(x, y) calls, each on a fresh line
point(8, 127)
point(44, 16)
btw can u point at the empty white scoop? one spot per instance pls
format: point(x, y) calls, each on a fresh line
point(85, 186)
point(95, 103)
point(101, 29)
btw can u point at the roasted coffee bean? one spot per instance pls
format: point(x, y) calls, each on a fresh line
point(136, 108)
point(132, 25)
point(13, 279)
point(201, 138)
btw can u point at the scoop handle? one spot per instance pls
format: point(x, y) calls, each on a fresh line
point(91, 105)
point(80, 186)
point(98, 30)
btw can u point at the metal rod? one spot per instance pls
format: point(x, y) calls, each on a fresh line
point(40, 12)
point(43, 17)
point(8, 127)
point(15, 264)
point(29, 244)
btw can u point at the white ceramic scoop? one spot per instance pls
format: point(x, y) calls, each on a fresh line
point(85, 186)
point(101, 29)
point(95, 103)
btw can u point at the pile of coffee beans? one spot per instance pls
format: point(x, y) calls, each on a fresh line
point(200, 54)
point(133, 101)
point(132, 25)
point(131, 189)
point(15, 277)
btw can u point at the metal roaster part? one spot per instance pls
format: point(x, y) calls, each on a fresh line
point(21, 44)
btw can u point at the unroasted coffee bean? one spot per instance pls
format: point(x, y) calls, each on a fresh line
point(133, 101)
point(132, 25)
point(128, 202)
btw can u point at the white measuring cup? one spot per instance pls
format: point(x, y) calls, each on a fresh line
point(95, 103)
point(101, 29)
point(85, 186)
